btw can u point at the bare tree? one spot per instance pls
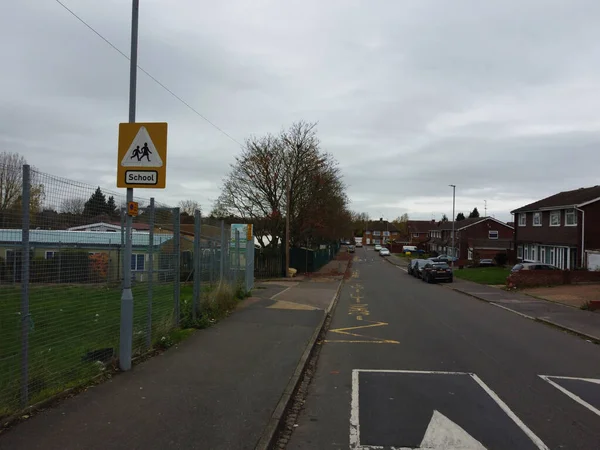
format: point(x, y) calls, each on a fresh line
point(189, 206)
point(73, 205)
point(257, 187)
point(11, 179)
point(11, 188)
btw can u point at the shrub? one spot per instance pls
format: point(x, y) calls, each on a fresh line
point(501, 259)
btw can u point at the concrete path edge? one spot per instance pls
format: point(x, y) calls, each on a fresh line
point(269, 434)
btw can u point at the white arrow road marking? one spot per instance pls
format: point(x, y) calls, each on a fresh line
point(441, 433)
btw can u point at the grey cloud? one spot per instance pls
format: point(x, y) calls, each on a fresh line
point(499, 98)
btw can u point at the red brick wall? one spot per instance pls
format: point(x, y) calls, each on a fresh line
point(531, 278)
point(546, 234)
point(480, 231)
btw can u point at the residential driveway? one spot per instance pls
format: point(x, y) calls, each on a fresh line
point(573, 295)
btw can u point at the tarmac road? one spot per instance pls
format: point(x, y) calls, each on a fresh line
point(410, 365)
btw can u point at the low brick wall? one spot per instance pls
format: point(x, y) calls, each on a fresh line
point(533, 278)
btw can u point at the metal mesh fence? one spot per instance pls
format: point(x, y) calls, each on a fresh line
point(61, 266)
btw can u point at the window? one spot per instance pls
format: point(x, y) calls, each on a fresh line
point(555, 219)
point(522, 219)
point(537, 219)
point(520, 252)
point(50, 255)
point(570, 218)
point(386, 233)
point(415, 235)
point(376, 233)
point(526, 252)
point(376, 241)
point(493, 234)
point(470, 254)
point(137, 262)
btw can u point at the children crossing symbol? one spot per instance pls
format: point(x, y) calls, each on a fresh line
point(142, 152)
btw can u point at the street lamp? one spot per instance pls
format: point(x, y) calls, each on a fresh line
point(453, 186)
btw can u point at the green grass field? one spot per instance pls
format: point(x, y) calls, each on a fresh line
point(484, 275)
point(67, 322)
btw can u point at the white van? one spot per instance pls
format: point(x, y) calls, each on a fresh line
point(409, 248)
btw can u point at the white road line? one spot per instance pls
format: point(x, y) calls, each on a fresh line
point(273, 296)
point(536, 440)
point(570, 394)
point(412, 371)
point(513, 311)
point(354, 420)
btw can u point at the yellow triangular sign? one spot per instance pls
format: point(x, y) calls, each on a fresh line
point(142, 152)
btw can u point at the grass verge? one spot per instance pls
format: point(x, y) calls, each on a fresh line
point(73, 332)
point(484, 275)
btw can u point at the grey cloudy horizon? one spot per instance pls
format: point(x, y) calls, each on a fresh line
point(498, 98)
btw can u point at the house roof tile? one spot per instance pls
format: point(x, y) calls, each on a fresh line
point(420, 226)
point(567, 198)
point(381, 225)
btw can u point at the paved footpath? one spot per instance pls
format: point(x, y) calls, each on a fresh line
point(218, 389)
point(584, 323)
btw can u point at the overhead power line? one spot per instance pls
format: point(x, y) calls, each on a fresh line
point(152, 77)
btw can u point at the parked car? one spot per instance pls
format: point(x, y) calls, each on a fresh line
point(420, 266)
point(486, 262)
point(409, 248)
point(533, 266)
point(446, 258)
point(359, 244)
point(437, 271)
point(384, 252)
point(412, 266)
point(351, 248)
point(377, 247)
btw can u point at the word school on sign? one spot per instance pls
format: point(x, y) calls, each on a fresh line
point(141, 177)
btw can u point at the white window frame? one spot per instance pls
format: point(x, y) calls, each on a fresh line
point(490, 234)
point(539, 216)
point(470, 254)
point(570, 213)
point(526, 255)
point(51, 253)
point(376, 233)
point(520, 251)
point(556, 216)
point(522, 219)
point(386, 233)
point(135, 267)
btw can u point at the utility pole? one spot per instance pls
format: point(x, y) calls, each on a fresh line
point(485, 208)
point(287, 230)
point(126, 331)
point(453, 186)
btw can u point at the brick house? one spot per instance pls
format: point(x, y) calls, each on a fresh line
point(380, 232)
point(418, 231)
point(475, 238)
point(559, 229)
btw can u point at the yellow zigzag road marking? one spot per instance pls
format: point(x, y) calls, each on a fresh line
point(368, 339)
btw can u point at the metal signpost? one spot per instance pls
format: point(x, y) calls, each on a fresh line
point(142, 163)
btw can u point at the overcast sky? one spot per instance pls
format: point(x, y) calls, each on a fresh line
point(501, 98)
